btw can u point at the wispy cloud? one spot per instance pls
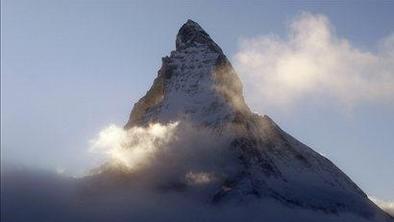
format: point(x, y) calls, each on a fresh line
point(133, 147)
point(387, 206)
point(314, 62)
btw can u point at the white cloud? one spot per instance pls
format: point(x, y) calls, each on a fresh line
point(387, 206)
point(313, 62)
point(132, 147)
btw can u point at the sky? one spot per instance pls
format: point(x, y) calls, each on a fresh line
point(71, 68)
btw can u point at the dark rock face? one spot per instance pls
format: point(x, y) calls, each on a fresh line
point(191, 34)
point(198, 84)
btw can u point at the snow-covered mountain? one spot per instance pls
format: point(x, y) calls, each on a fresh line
point(197, 84)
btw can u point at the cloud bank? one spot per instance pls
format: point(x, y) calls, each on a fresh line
point(314, 63)
point(178, 158)
point(174, 168)
point(29, 195)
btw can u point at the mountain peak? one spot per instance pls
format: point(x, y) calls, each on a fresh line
point(196, 81)
point(197, 84)
point(192, 34)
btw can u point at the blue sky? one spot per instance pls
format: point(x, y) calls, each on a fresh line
point(71, 68)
